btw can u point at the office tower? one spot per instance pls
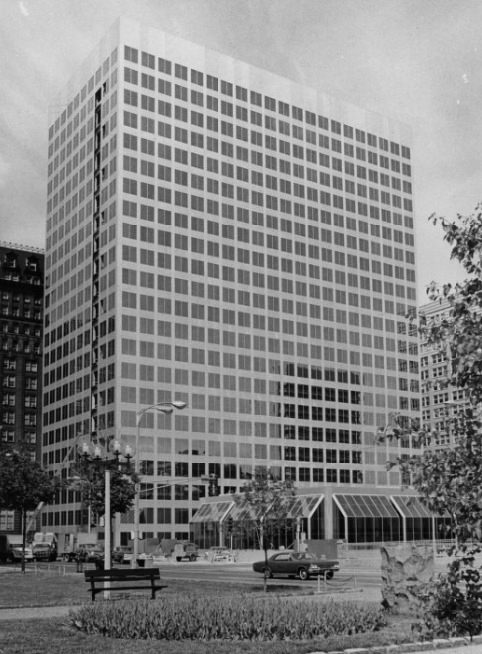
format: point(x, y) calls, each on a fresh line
point(21, 290)
point(223, 236)
point(440, 400)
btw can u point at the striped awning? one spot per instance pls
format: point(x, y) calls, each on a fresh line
point(410, 506)
point(304, 506)
point(365, 506)
point(212, 512)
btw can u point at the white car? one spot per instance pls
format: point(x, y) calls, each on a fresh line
point(16, 554)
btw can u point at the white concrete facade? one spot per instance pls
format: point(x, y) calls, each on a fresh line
point(223, 236)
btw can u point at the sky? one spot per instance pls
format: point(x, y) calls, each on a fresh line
point(413, 60)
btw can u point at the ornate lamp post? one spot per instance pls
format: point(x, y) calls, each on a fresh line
point(161, 407)
point(118, 458)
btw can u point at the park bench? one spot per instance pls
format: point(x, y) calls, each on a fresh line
point(130, 579)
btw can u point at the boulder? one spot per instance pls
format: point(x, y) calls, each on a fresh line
point(407, 570)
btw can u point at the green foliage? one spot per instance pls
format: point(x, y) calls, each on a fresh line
point(190, 617)
point(264, 505)
point(23, 482)
point(448, 478)
point(91, 484)
point(453, 605)
point(122, 493)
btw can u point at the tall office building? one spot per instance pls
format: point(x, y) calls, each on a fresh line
point(440, 400)
point(21, 301)
point(224, 236)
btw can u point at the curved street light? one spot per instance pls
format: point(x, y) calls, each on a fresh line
point(162, 407)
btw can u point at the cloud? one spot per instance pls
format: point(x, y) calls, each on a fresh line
point(23, 9)
point(4, 171)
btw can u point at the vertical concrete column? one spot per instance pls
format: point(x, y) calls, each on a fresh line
point(329, 526)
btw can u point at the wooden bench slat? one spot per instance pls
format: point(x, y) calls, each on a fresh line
point(117, 575)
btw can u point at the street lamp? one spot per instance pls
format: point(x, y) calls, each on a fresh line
point(165, 408)
point(99, 457)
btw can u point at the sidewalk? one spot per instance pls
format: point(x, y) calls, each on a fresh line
point(438, 646)
point(33, 612)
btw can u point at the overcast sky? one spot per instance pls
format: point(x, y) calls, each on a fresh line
point(415, 60)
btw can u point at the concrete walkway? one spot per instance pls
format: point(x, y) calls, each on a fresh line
point(474, 648)
point(33, 612)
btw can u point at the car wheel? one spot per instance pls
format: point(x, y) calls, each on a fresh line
point(267, 573)
point(329, 574)
point(192, 557)
point(303, 574)
point(178, 559)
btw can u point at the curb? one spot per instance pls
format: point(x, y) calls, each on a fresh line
point(414, 648)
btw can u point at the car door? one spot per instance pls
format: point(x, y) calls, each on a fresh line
point(279, 563)
point(292, 565)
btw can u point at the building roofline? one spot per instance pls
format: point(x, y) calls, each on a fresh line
point(23, 248)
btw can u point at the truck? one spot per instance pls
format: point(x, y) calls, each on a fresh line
point(9, 542)
point(186, 551)
point(44, 546)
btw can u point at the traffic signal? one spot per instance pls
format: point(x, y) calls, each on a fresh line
point(213, 488)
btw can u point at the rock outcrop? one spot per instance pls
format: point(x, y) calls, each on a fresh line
point(406, 570)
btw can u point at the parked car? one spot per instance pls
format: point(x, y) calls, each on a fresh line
point(44, 546)
point(69, 556)
point(118, 555)
point(93, 553)
point(44, 552)
point(301, 564)
point(7, 543)
point(16, 554)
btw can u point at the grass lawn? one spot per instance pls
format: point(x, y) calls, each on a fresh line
point(57, 635)
point(46, 635)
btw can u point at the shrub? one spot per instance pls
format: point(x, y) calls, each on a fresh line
point(453, 604)
point(239, 618)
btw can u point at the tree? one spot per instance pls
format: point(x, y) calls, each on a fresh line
point(264, 505)
point(91, 483)
point(449, 479)
point(23, 484)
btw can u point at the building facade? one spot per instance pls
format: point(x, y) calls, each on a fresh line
point(225, 237)
point(21, 321)
point(440, 399)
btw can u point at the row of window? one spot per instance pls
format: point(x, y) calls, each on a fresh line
point(11, 364)
point(178, 307)
point(246, 341)
point(29, 419)
point(226, 88)
point(178, 198)
point(313, 474)
point(238, 131)
point(227, 149)
point(168, 352)
point(211, 185)
point(165, 305)
point(272, 262)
